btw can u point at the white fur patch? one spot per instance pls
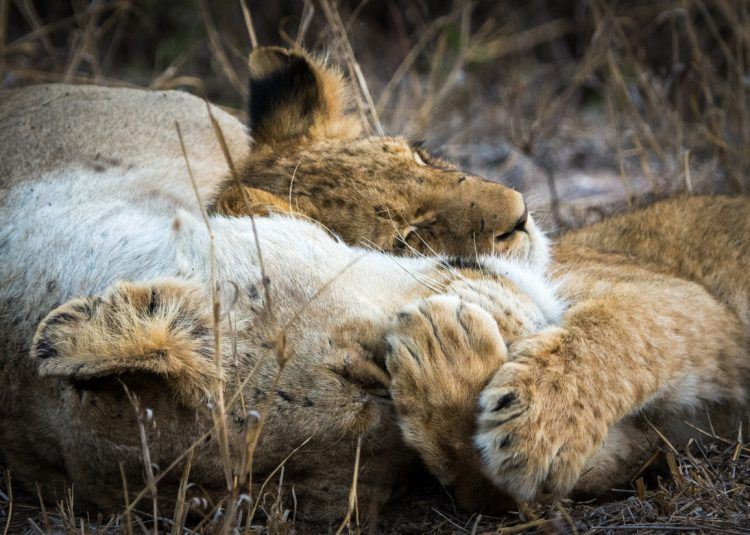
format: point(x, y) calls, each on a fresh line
point(530, 281)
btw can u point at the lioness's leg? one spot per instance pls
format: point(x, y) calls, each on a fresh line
point(638, 341)
point(162, 328)
point(151, 341)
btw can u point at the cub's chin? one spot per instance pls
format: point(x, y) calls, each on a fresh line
point(529, 247)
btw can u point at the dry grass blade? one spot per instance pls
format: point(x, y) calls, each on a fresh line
point(218, 410)
point(538, 523)
point(566, 515)
point(4, 12)
point(29, 11)
point(367, 108)
point(144, 417)
point(266, 283)
point(408, 61)
point(308, 12)
point(217, 49)
point(262, 488)
point(352, 506)
point(249, 24)
point(87, 47)
point(278, 336)
point(9, 492)
point(181, 511)
point(128, 527)
point(129, 508)
point(42, 507)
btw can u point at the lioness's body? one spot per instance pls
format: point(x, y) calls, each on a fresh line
point(68, 230)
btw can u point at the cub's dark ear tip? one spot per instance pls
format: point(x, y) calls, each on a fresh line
point(283, 94)
point(268, 60)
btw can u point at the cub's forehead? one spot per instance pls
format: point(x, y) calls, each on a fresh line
point(376, 144)
point(388, 145)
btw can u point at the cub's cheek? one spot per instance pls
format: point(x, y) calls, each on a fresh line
point(514, 244)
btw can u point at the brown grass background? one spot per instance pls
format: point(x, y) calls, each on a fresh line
point(587, 106)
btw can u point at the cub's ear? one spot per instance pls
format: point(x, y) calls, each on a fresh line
point(293, 96)
point(232, 202)
point(161, 328)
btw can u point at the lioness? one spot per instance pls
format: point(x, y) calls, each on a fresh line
point(117, 258)
point(374, 346)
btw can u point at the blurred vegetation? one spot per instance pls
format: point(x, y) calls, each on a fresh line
point(587, 105)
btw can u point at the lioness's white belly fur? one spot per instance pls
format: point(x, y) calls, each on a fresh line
point(70, 229)
point(80, 231)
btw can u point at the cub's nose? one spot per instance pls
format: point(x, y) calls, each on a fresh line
point(518, 226)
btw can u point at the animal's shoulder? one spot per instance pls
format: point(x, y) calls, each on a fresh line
point(52, 126)
point(704, 239)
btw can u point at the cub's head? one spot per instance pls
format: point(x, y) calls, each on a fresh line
point(311, 158)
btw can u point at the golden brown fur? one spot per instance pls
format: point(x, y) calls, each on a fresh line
point(657, 328)
point(649, 294)
point(656, 335)
point(310, 158)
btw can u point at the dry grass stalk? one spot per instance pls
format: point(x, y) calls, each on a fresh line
point(31, 15)
point(143, 417)
point(266, 282)
point(352, 506)
point(8, 501)
point(217, 49)
point(42, 507)
point(86, 48)
point(365, 102)
point(128, 527)
point(278, 336)
point(308, 12)
point(408, 61)
point(262, 488)
point(4, 12)
point(218, 410)
point(181, 510)
point(249, 24)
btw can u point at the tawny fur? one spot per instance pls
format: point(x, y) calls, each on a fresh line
point(488, 379)
point(655, 336)
point(74, 335)
point(310, 158)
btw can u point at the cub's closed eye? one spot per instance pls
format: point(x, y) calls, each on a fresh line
point(418, 158)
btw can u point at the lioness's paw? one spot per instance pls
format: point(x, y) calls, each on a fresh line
point(536, 429)
point(162, 328)
point(442, 353)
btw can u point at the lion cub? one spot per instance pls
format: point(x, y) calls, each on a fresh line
point(657, 325)
point(311, 158)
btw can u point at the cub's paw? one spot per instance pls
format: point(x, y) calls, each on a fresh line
point(442, 352)
point(514, 312)
point(538, 425)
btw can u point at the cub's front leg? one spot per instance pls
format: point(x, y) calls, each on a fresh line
point(629, 345)
point(442, 351)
